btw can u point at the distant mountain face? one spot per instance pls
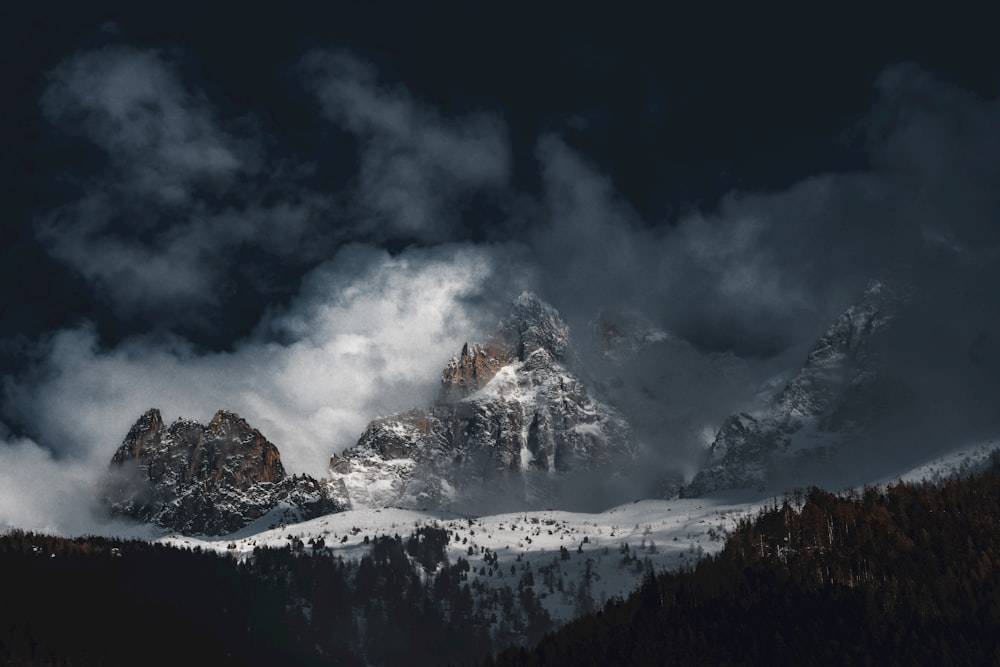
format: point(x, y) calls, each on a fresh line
point(510, 413)
point(839, 391)
point(210, 480)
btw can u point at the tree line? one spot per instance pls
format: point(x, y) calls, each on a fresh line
point(102, 601)
point(905, 574)
point(899, 575)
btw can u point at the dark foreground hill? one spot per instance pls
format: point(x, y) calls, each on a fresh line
point(908, 575)
point(96, 601)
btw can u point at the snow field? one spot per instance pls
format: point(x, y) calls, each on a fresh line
point(603, 555)
point(659, 534)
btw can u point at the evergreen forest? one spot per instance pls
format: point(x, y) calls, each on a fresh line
point(899, 575)
point(902, 575)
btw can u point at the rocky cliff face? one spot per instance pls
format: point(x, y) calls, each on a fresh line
point(211, 479)
point(510, 413)
point(472, 370)
point(839, 391)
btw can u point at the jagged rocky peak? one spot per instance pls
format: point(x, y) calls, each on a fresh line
point(509, 410)
point(840, 390)
point(227, 451)
point(472, 369)
point(143, 431)
point(532, 325)
point(210, 479)
point(232, 452)
point(841, 355)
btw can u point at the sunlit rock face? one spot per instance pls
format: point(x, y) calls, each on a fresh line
point(211, 480)
point(511, 418)
point(839, 392)
point(473, 369)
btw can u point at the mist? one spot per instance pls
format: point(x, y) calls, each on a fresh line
point(347, 303)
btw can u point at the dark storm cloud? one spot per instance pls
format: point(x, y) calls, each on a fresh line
point(188, 210)
point(734, 295)
point(751, 276)
point(761, 272)
point(416, 168)
point(161, 136)
point(748, 287)
point(161, 227)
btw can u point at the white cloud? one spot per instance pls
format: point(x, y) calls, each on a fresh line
point(40, 493)
point(369, 334)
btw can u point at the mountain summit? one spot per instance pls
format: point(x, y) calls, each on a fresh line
point(510, 414)
point(211, 479)
point(838, 391)
point(533, 325)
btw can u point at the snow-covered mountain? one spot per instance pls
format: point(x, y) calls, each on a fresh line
point(513, 423)
point(511, 418)
point(509, 409)
point(210, 480)
point(840, 390)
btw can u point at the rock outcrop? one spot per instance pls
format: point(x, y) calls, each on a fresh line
point(472, 370)
point(211, 480)
point(510, 413)
point(839, 391)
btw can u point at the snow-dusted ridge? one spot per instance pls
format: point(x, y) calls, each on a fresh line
point(839, 392)
point(959, 462)
point(512, 418)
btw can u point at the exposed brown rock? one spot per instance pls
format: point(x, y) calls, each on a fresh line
point(532, 325)
point(206, 479)
point(145, 430)
point(527, 428)
point(473, 369)
point(231, 452)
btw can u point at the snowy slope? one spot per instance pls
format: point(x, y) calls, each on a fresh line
point(659, 534)
point(956, 463)
point(667, 534)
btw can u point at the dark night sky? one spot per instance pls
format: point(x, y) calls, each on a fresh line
point(301, 213)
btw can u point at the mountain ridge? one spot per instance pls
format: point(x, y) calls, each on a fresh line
point(510, 412)
point(205, 479)
point(839, 391)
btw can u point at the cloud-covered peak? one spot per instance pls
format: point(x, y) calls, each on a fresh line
point(533, 324)
point(328, 302)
